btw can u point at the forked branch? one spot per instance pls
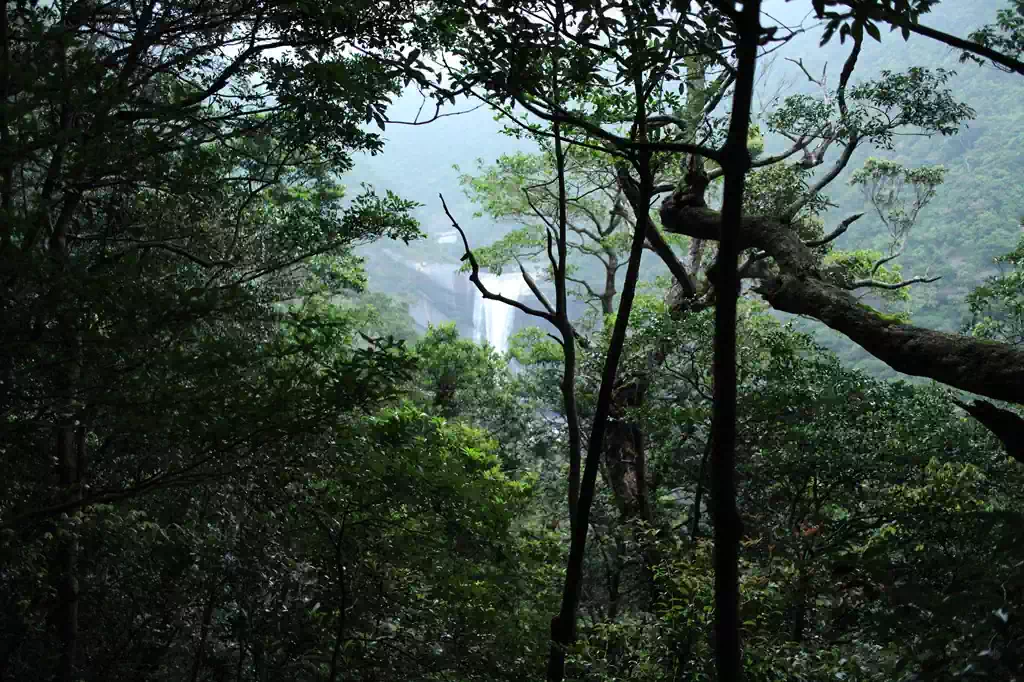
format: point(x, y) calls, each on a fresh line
point(474, 275)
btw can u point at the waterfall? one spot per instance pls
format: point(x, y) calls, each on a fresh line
point(492, 320)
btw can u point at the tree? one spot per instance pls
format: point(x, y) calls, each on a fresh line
point(990, 370)
point(519, 188)
point(165, 186)
point(152, 192)
point(793, 279)
point(997, 306)
point(207, 457)
point(825, 457)
point(997, 313)
point(509, 77)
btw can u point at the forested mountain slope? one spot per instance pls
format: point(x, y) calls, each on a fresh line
point(975, 215)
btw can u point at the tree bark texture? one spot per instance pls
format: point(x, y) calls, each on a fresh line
point(728, 528)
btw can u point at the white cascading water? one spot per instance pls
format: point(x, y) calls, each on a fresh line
point(492, 320)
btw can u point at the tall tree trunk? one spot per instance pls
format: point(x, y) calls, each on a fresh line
point(563, 626)
point(627, 467)
point(626, 463)
point(241, 661)
point(696, 100)
point(615, 578)
point(204, 631)
point(728, 528)
point(70, 433)
point(800, 604)
point(70, 457)
point(70, 444)
point(6, 169)
point(341, 623)
point(626, 457)
point(698, 494)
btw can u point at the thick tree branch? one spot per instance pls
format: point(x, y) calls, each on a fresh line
point(887, 259)
point(1007, 426)
point(990, 369)
point(848, 66)
point(668, 256)
point(665, 119)
point(994, 370)
point(831, 236)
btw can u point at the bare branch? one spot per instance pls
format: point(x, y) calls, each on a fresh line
point(882, 261)
point(537, 211)
point(894, 19)
point(817, 81)
point(799, 144)
point(823, 182)
point(891, 286)
point(585, 284)
point(528, 278)
point(474, 276)
point(437, 114)
point(835, 234)
point(551, 250)
point(593, 218)
point(530, 282)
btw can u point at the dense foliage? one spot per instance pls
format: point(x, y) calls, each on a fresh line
point(224, 458)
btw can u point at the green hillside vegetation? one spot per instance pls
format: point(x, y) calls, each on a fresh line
point(975, 216)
